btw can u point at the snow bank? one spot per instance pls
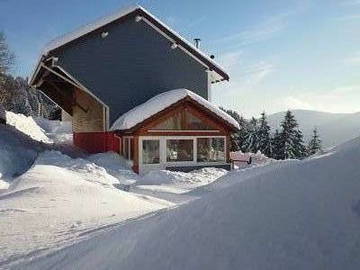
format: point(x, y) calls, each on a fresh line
point(161, 102)
point(27, 125)
point(256, 158)
point(55, 130)
point(294, 215)
point(116, 166)
point(17, 153)
point(198, 177)
point(59, 199)
point(89, 171)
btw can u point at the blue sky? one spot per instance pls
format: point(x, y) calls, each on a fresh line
point(280, 55)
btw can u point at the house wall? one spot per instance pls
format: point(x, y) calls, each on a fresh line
point(88, 113)
point(145, 132)
point(132, 64)
point(65, 117)
point(97, 142)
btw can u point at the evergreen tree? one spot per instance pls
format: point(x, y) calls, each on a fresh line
point(291, 139)
point(235, 143)
point(263, 136)
point(243, 133)
point(276, 145)
point(232, 113)
point(251, 142)
point(238, 138)
point(6, 56)
point(314, 145)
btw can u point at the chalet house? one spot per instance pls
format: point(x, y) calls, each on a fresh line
point(134, 86)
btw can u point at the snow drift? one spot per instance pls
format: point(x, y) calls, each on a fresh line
point(17, 153)
point(57, 131)
point(58, 199)
point(293, 215)
point(196, 177)
point(27, 125)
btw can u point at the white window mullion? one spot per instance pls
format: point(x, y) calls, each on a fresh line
point(140, 153)
point(163, 150)
point(195, 150)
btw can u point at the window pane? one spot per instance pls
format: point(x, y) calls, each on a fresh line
point(194, 122)
point(179, 150)
point(150, 151)
point(171, 123)
point(210, 149)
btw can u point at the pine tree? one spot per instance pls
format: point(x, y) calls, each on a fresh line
point(235, 142)
point(238, 138)
point(291, 139)
point(263, 136)
point(276, 145)
point(243, 133)
point(6, 56)
point(251, 142)
point(314, 145)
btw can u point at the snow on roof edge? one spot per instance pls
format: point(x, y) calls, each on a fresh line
point(87, 28)
point(160, 102)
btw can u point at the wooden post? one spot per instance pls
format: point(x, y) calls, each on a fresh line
point(136, 154)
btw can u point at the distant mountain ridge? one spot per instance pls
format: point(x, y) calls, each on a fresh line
point(334, 128)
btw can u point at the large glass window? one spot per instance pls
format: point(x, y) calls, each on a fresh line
point(210, 149)
point(179, 150)
point(172, 123)
point(195, 123)
point(183, 120)
point(150, 151)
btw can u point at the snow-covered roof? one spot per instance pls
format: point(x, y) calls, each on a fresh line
point(162, 101)
point(85, 29)
point(81, 31)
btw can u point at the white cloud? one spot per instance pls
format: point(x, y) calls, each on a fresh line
point(230, 61)
point(244, 77)
point(260, 32)
point(353, 60)
point(243, 84)
point(341, 99)
point(291, 102)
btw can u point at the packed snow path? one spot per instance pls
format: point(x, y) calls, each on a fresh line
point(290, 215)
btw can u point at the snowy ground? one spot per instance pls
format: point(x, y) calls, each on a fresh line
point(49, 200)
point(289, 215)
point(68, 213)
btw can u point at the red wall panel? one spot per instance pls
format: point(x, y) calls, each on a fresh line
point(97, 142)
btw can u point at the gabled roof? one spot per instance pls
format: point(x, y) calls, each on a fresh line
point(162, 101)
point(168, 33)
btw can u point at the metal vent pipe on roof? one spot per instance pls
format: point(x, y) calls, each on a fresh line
point(197, 42)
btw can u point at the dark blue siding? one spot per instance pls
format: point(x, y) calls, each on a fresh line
point(132, 64)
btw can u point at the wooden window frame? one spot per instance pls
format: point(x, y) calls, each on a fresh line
point(163, 157)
